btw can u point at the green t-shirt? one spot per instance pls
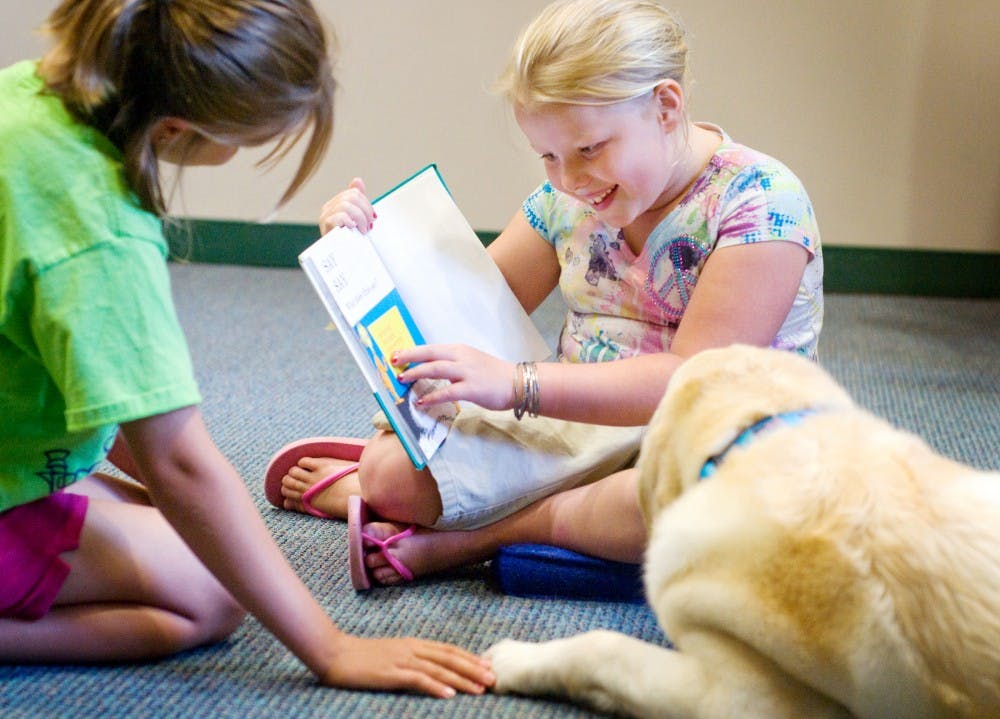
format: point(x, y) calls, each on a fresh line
point(89, 337)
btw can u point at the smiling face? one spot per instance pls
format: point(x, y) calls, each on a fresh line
point(621, 159)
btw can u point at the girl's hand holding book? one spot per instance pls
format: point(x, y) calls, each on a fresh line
point(349, 208)
point(474, 376)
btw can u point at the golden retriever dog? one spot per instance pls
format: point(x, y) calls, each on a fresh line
point(824, 564)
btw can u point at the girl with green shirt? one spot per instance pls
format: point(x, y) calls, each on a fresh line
point(93, 362)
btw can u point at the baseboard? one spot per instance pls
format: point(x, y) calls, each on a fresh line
point(933, 273)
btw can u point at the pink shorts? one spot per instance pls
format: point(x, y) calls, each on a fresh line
point(32, 536)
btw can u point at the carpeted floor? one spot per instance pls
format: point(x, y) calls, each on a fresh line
point(270, 373)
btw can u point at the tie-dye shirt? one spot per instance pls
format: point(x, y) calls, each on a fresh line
point(621, 305)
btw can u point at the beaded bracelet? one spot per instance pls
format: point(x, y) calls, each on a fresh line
point(526, 398)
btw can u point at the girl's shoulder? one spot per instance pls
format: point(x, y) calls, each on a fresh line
point(20, 77)
point(64, 191)
point(36, 127)
point(737, 168)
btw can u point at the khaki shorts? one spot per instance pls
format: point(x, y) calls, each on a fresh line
point(492, 465)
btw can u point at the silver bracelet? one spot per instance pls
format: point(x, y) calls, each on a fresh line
point(518, 391)
point(526, 397)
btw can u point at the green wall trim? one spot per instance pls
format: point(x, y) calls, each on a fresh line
point(231, 242)
point(934, 273)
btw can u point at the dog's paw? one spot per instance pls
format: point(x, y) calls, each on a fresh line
point(521, 667)
point(593, 669)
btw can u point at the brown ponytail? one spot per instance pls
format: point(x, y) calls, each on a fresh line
point(245, 71)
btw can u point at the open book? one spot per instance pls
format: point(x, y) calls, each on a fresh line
point(420, 275)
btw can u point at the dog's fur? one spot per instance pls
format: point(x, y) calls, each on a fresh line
point(834, 568)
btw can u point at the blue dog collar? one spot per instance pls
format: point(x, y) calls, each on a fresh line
point(788, 419)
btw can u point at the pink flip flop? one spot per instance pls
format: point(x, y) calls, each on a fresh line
point(357, 518)
point(347, 448)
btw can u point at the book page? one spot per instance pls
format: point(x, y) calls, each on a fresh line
point(446, 278)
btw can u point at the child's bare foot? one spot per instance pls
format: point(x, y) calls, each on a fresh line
point(425, 551)
point(315, 473)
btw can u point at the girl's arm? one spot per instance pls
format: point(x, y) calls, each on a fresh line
point(204, 499)
point(743, 295)
point(527, 262)
point(121, 456)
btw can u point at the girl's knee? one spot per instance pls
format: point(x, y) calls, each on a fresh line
point(224, 619)
point(213, 614)
point(215, 620)
point(216, 616)
point(393, 487)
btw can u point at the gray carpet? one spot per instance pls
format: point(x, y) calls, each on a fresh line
point(270, 373)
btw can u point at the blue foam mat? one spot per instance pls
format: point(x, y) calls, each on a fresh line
point(542, 571)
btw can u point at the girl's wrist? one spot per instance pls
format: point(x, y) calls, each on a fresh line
point(326, 652)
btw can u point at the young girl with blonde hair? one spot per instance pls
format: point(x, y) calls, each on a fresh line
point(663, 235)
point(93, 568)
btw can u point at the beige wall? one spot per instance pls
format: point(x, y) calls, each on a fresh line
point(887, 109)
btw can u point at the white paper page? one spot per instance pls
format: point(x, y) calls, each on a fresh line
point(351, 271)
point(445, 276)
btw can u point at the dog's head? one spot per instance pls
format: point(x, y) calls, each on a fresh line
point(714, 396)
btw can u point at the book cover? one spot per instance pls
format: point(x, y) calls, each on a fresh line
point(420, 275)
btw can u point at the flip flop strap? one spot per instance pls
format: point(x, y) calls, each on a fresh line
point(383, 549)
point(323, 484)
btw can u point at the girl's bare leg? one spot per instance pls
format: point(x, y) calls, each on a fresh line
point(602, 519)
point(385, 478)
point(134, 592)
